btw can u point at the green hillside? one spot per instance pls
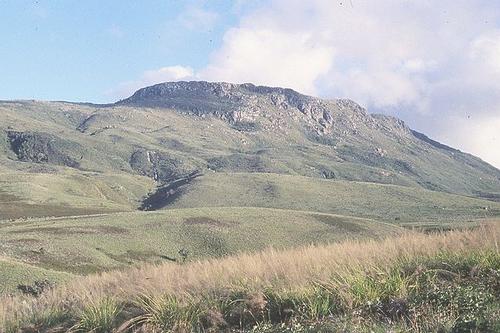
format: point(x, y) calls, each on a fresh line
point(67, 192)
point(168, 131)
point(88, 244)
point(389, 203)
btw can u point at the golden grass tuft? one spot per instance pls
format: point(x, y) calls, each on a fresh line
point(178, 290)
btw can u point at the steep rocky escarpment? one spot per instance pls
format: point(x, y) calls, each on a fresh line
point(236, 103)
point(243, 105)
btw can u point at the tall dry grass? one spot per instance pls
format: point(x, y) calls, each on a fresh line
point(337, 265)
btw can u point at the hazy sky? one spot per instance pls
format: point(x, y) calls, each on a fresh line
point(435, 64)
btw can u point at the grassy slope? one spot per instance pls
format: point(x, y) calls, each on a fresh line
point(413, 283)
point(208, 142)
point(14, 273)
point(107, 183)
point(68, 193)
point(216, 226)
point(88, 244)
point(377, 201)
point(79, 193)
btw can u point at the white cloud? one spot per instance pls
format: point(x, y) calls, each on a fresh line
point(481, 136)
point(150, 77)
point(486, 50)
point(431, 63)
point(265, 56)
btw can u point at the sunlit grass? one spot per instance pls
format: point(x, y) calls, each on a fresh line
point(407, 283)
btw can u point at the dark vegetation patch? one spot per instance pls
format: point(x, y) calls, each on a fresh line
point(167, 194)
point(71, 261)
point(321, 139)
point(130, 256)
point(430, 185)
point(238, 162)
point(440, 228)
point(160, 166)
point(41, 168)
point(488, 196)
point(338, 223)
point(110, 229)
point(44, 148)
point(99, 122)
point(116, 138)
point(174, 144)
point(245, 126)
point(327, 173)
point(36, 289)
point(271, 190)
point(205, 241)
point(73, 230)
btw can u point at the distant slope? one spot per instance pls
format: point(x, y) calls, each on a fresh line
point(66, 192)
point(83, 245)
point(391, 203)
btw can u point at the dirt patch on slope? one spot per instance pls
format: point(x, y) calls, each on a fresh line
point(203, 220)
point(339, 224)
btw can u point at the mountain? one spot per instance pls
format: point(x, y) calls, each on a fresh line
point(168, 140)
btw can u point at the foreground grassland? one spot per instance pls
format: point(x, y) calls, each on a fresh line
point(17, 273)
point(445, 282)
point(90, 244)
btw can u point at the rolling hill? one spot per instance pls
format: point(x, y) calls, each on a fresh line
point(89, 244)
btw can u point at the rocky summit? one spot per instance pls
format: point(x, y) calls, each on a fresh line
point(340, 128)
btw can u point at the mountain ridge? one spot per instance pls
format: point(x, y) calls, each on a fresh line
point(164, 133)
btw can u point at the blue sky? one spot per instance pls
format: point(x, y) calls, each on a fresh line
point(434, 64)
point(78, 50)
